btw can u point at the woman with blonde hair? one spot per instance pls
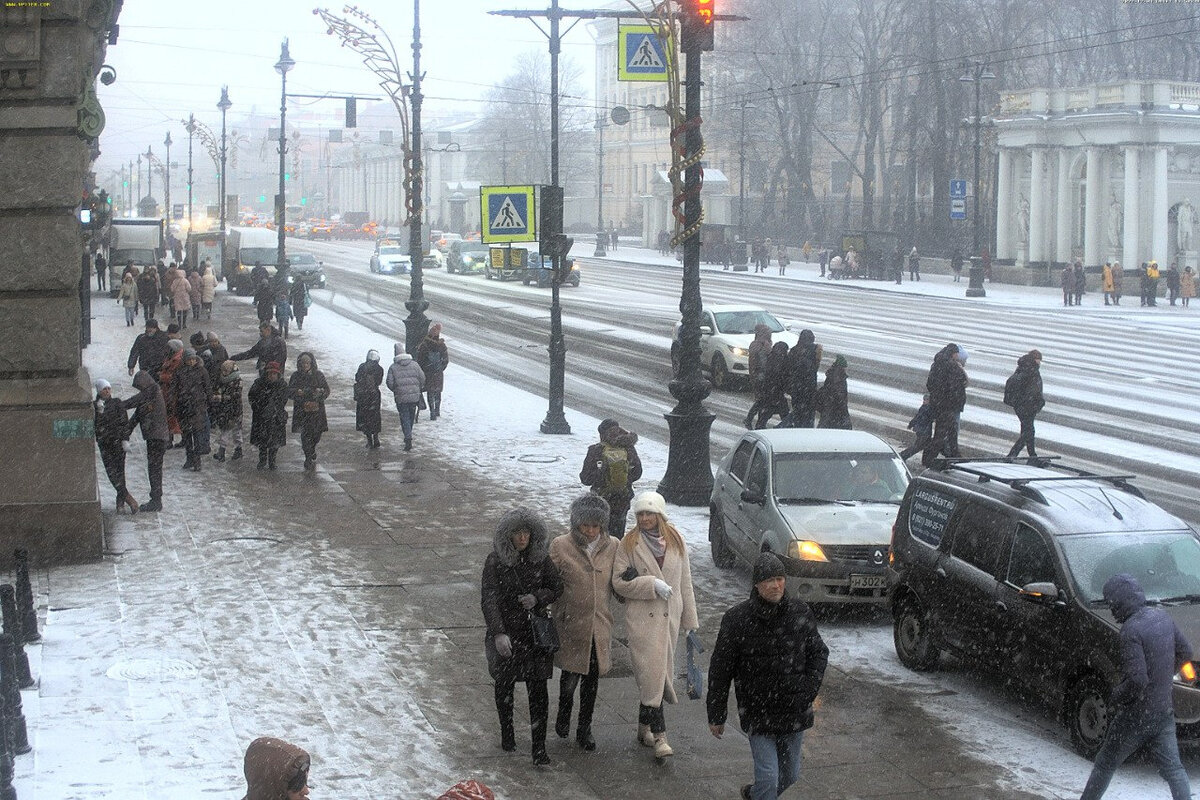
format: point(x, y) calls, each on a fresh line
point(651, 571)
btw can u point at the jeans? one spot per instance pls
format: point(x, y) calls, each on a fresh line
point(776, 763)
point(408, 415)
point(1127, 734)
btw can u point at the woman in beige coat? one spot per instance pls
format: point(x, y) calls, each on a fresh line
point(651, 571)
point(584, 558)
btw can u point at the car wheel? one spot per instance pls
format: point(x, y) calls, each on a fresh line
point(722, 554)
point(575, 283)
point(525, 280)
point(1087, 714)
point(720, 374)
point(913, 638)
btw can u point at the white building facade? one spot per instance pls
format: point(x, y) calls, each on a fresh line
point(1102, 174)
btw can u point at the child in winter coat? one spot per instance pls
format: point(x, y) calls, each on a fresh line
point(922, 425)
point(227, 411)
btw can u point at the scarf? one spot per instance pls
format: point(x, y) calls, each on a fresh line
point(657, 545)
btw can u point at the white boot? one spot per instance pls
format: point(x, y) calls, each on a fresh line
point(645, 737)
point(661, 748)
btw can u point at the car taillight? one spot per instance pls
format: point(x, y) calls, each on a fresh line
point(1187, 672)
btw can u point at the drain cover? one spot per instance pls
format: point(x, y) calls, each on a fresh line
point(151, 670)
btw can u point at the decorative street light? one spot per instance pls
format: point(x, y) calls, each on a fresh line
point(139, 184)
point(167, 183)
point(745, 104)
point(224, 104)
point(977, 73)
point(282, 66)
point(600, 126)
point(190, 126)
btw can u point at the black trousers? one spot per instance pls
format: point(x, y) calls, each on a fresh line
point(1025, 440)
point(652, 716)
point(113, 456)
point(589, 686)
point(148, 308)
point(308, 443)
point(539, 706)
point(945, 438)
point(155, 450)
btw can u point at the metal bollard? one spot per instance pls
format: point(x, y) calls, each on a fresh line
point(17, 732)
point(8, 614)
point(25, 606)
point(7, 790)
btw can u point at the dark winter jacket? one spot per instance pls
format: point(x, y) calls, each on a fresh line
point(268, 409)
point(217, 355)
point(433, 358)
point(192, 392)
point(264, 301)
point(1079, 283)
point(298, 295)
point(147, 286)
point(308, 391)
point(112, 422)
point(803, 362)
point(775, 658)
point(151, 408)
point(757, 358)
point(922, 422)
point(1023, 389)
point(149, 351)
point(1152, 648)
point(266, 350)
point(595, 475)
point(367, 399)
point(507, 575)
point(775, 379)
point(947, 382)
point(833, 400)
point(227, 401)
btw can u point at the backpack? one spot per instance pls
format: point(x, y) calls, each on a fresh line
point(1012, 388)
point(433, 361)
point(615, 478)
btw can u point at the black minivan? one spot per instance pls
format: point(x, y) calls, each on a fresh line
point(1003, 563)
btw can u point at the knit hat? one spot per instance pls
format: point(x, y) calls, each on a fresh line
point(152, 323)
point(101, 385)
point(650, 501)
point(768, 566)
point(198, 339)
point(589, 509)
point(840, 361)
point(188, 353)
point(435, 329)
point(174, 345)
point(606, 424)
point(963, 355)
point(273, 366)
point(372, 355)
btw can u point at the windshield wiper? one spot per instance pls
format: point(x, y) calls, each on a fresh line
point(1181, 598)
point(805, 501)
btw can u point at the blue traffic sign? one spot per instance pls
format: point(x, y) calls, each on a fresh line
point(958, 187)
point(958, 208)
point(641, 54)
point(508, 213)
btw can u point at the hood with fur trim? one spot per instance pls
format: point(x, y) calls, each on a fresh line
point(270, 765)
point(510, 523)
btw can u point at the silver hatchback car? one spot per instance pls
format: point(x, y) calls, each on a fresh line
point(823, 500)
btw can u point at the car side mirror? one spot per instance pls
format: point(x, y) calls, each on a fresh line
point(705, 330)
point(753, 496)
point(1040, 592)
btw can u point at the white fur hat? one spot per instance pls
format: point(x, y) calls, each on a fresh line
point(650, 501)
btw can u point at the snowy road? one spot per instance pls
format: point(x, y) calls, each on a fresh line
point(1121, 388)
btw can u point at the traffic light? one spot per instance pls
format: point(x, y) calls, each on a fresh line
point(696, 24)
point(351, 113)
point(303, 201)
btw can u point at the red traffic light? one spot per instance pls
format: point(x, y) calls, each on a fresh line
point(696, 24)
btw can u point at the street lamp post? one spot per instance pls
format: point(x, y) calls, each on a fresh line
point(139, 184)
point(167, 183)
point(977, 73)
point(282, 66)
point(600, 126)
point(416, 324)
point(191, 129)
point(742, 173)
point(224, 104)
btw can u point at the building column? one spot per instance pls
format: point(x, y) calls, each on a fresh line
point(50, 120)
point(1037, 205)
point(1091, 221)
point(1004, 248)
point(1064, 215)
point(1129, 244)
point(1158, 225)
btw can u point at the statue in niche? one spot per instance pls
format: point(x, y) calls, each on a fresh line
point(1185, 220)
point(1023, 219)
point(1116, 222)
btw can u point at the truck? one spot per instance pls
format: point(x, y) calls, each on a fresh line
point(245, 247)
point(136, 240)
point(206, 246)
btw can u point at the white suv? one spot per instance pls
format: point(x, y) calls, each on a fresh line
point(726, 332)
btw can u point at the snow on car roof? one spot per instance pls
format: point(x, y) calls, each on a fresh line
point(822, 440)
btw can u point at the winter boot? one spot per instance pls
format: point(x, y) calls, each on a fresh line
point(271, 457)
point(151, 505)
point(584, 738)
point(310, 464)
point(375, 440)
point(129, 501)
point(540, 758)
point(645, 737)
point(661, 748)
point(189, 462)
point(562, 724)
point(196, 462)
point(262, 458)
point(237, 454)
point(408, 443)
point(219, 455)
point(504, 709)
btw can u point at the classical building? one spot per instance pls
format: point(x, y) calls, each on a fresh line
point(1102, 173)
point(50, 119)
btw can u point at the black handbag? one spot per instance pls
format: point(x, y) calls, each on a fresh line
point(545, 634)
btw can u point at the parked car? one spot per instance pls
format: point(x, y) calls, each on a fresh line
point(726, 332)
point(390, 258)
point(444, 241)
point(540, 270)
point(307, 268)
point(466, 256)
point(1003, 563)
point(822, 500)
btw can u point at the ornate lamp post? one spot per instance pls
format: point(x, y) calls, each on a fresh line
point(282, 66)
point(190, 127)
point(745, 104)
point(167, 182)
point(224, 104)
point(977, 73)
point(600, 126)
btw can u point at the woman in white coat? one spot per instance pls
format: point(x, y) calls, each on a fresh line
point(651, 571)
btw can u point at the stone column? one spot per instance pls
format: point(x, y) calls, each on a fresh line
point(1004, 219)
point(1091, 222)
point(1063, 215)
point(1129, 244)
point(1158, 225)
point(1037, 205)
point(49, 121)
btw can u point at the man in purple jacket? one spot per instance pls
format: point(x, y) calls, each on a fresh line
point(1152, 651)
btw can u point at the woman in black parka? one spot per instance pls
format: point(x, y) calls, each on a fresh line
point(519, 580)
point(308, 390)
point(367, 417)
point(268, 409)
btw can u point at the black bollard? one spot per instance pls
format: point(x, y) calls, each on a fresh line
point(7, 790)
point(17, 732)
point(12, 626)
point(25, 606)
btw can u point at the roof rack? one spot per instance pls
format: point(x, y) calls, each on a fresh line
point(1022, 483)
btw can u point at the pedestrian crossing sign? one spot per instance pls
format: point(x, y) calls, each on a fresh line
point(641, 54)
point(507, 213)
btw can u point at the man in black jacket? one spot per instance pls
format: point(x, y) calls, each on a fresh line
point(269, 349)
point(771, 651)
point(149, 349)
point(947, 387)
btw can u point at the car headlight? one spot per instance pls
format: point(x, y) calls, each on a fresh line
point(1186, 674)
point(806, 550)
point(741, 352)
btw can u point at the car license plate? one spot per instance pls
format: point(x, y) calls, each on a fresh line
point(868, 582)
